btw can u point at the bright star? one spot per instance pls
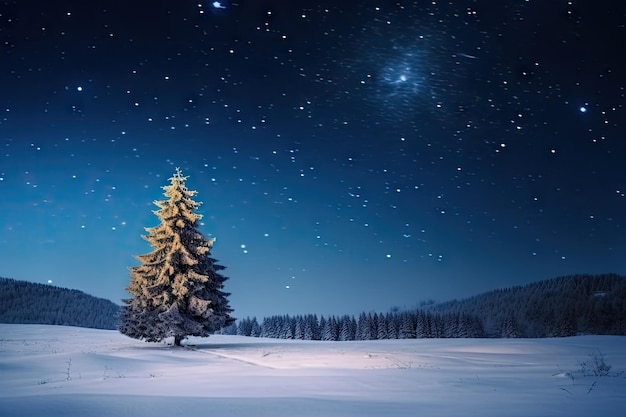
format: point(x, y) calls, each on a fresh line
point(217, 5)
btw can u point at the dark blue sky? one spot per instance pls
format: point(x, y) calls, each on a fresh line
point(350, 155)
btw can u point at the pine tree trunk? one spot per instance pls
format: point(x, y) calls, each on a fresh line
point(177, 340)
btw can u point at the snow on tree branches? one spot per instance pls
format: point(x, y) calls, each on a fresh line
point(177, 290)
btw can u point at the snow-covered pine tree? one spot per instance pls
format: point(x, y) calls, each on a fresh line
point(311, 328)
point(381, 326)
point(177, 290)
point(345, 332)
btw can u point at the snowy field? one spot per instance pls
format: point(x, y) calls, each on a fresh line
point(68, 371)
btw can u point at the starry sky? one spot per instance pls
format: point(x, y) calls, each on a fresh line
point(350, 155)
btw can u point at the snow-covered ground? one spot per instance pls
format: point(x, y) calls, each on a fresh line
point(68, 371)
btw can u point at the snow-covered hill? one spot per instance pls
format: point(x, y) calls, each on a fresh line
point(69, 371)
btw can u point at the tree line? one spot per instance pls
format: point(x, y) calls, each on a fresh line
point(31, 303)
point(564, 306)
point(368, 326)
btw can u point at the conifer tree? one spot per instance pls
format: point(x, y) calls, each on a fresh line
point(177, 290)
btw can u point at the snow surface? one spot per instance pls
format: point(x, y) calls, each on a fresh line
point(70, 371)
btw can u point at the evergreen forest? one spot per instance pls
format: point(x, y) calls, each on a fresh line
point(564, 306)
point(31, 303)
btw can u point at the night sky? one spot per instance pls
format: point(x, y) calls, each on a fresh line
point(350, 155)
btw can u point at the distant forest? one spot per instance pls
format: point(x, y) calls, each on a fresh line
point(30, 303)
point(565, 306)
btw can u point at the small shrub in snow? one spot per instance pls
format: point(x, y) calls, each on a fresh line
point(596, 365)
point(68, 372)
